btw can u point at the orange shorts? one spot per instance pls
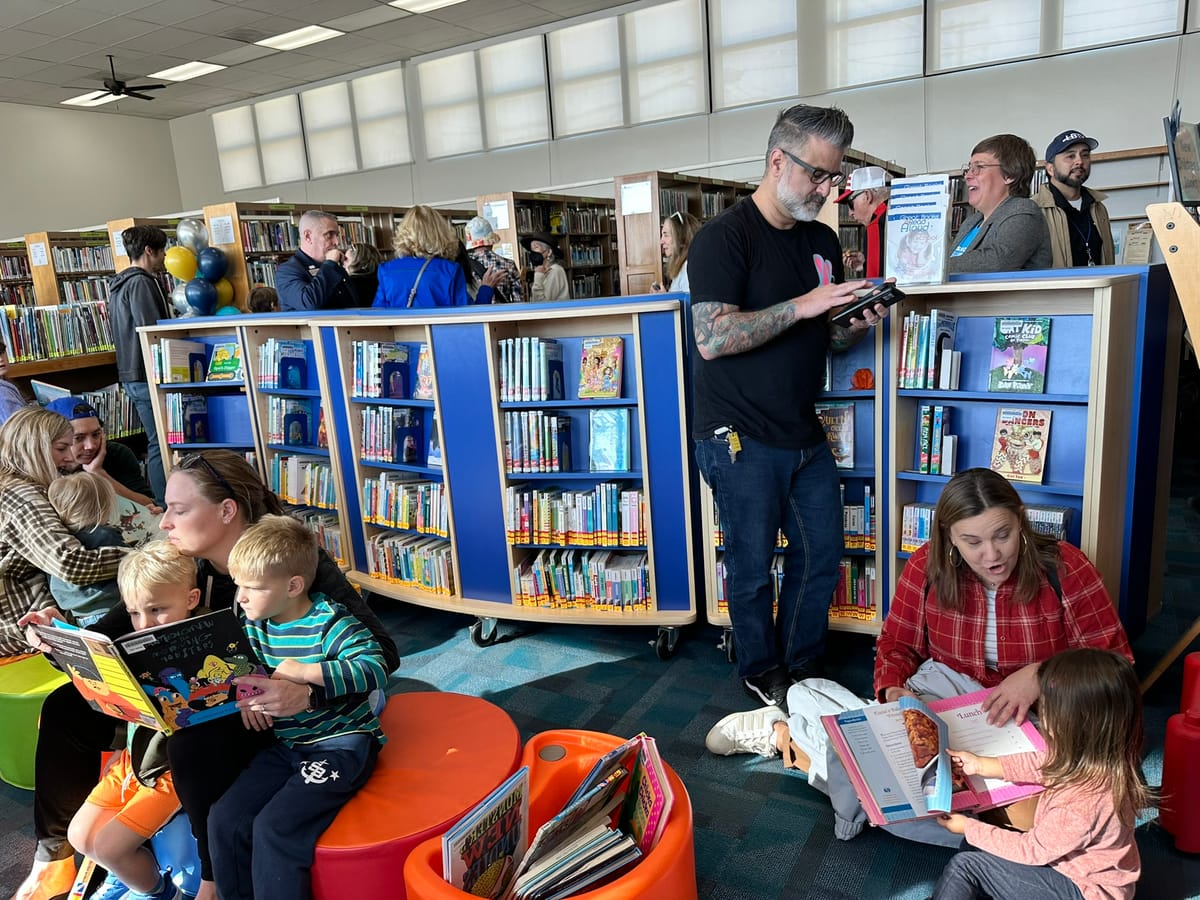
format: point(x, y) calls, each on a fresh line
point(142, 809)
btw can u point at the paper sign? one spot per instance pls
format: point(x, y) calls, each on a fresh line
point(635, 198)
point(118, 244)
point(38, 255)
point(220, 230)
point(496, 212)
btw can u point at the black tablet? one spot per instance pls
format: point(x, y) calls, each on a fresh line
point(887, 294)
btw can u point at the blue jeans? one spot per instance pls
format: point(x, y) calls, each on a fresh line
point(976, 875)
point(139, 393)
point(764, 490)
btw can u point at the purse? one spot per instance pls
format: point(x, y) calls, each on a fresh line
point(412, 294)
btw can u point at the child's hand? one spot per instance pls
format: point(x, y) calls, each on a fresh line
point(970, 764)
point(290, 670)
point(955, 823)
point(38, 617)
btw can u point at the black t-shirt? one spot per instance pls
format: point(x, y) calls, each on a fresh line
point(121, 464)
point(766, 393)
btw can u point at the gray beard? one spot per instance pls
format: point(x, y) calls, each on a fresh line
point(802, 209)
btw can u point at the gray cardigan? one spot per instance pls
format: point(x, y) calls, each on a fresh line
point(1014, 237)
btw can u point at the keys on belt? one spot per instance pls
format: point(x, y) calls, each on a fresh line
point(729, 436)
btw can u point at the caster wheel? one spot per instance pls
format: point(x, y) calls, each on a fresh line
point(665, 643)
point(484, 632)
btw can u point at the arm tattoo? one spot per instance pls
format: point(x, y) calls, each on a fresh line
point(722, 330)
point(841, 339)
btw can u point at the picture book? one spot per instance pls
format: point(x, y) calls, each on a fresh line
point(1020, 444)
point(293, 365)
point(1186, 148)
point(409, 441)
point(917, 229)
point(225, 363)
point(1019, 348)
point(181, 361)
point(194, 418)
point(433, 458)
point(136, 523)
point(837, 418)
point(423, 389)
point(896, 756)
point(165, 678)
point(297, 419)
point(608, 440)
point(393, 371)
point(43, 393)
point(550, 385)
point(481, 853)
point(600, 362)
point(649, 797)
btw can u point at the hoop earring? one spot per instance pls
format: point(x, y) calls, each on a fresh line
point(954, 562)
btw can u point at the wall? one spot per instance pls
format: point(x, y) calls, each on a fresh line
point(72, 168)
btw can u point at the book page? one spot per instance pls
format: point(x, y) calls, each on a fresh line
point(969, 730)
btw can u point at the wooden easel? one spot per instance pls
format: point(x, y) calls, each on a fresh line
point(1178, 235)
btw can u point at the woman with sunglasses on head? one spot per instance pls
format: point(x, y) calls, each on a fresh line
point(1003, 234)
point(675, 238)
point(211, 498)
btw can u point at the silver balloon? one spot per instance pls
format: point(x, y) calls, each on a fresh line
point(179, 301)
point(193, 234)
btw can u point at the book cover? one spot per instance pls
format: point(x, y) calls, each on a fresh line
point(552, 371)
point(942, 328)
point(393, 371)
point(924, 437)
point(896, 756)
point(165, 678)
point(423, 389)
point(600, 365)
point(180, 359)
point(1020, 442)
point(409, 437)
point(481, 853)
point(194, 408)
point(837, 418)
point(43, 393)
point(916, 240)
point(225, 363)
point(293, 365)
point(1019, 348)
point(1187, 161)
point(608, 440)
point(433, 458)
point(649, 798)
point(297, 416)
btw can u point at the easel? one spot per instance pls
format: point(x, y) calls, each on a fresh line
point(1178, 235)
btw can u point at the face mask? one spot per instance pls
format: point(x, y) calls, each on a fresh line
point(535, 258)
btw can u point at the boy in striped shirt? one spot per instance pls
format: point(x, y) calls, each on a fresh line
point(263, 831)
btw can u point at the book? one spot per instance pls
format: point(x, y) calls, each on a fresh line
point(949, 369)
point(924, 437)
point(918, 224)
point(433, 458)
point(165, 678)
point(194, 418)
point(896, 755)
point(393, 371)
point(941, 418)
point(225, 363)
point(43, 392)
point(949, 454)
point(181, 361)
point(1186, 148)
point(608, 440)
point(423, 389)
point(649, 798)
point(837, 418)
point(480, 854)
point(551, 383)
point(942, 328)
point(1019, 348)
point(1020, 444)
point(600, 365)
point(293, 365)
point(297, 418)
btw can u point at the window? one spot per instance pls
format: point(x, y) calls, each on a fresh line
point(753, 46)
point(869, 41)
point(280, 139)
point(513, 75)
point(664, 61)
point(585, 77)
point(1094, 22)
point(381, 119)
point(237, 148)
point(450, 105)
point(329, 130)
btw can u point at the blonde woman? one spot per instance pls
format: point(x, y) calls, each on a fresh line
point(675, 238)
point(424, 273)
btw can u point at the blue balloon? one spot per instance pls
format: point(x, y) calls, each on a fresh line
point(229, 310)
point(201, 296)
point(212, 263)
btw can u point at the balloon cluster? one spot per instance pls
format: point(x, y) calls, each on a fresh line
point(203, 289)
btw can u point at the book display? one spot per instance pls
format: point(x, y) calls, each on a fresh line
point(1019, 348)
point(853, 234)
point(16, 278)
point(69, 266)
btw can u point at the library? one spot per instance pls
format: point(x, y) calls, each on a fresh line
point(514, 488)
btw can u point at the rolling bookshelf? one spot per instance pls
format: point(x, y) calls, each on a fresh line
point(69, 266)
point(16, 278)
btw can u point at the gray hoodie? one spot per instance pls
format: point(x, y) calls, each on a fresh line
point(135, 298)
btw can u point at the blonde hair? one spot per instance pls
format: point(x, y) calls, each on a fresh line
point(26, 445)
point(683, 227)
point(423, 232)
point(155, 564)
point(221, 475)
point(277, 546)
point(82, 500)
point(366, 258)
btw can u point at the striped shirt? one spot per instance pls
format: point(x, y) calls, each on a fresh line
point(351, 664)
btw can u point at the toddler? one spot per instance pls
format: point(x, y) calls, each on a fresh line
point(86, 503)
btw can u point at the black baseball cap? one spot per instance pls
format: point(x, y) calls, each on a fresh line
point(1067, 139)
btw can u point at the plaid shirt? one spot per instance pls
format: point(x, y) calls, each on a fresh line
point(917, 628)
point(34, 543)
point(510, 286)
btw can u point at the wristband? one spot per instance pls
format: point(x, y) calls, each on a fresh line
point(310, 706)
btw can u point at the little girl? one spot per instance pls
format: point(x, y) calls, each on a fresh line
point(85, 503)
point(1082, 842)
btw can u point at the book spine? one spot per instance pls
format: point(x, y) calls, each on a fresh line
point(925, 429)
point(935, 443)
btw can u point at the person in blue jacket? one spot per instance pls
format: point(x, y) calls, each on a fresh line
point(424, 273)
point(314, 277)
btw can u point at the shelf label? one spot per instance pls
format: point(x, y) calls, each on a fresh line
point(220, 230)
point(496, 212)
point(118, 244)
point(38, 255)
point(635, 198)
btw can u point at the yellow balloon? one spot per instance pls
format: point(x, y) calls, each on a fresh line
point(224, 292)
point(181, 262)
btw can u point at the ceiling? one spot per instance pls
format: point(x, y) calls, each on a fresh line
point(51, 50)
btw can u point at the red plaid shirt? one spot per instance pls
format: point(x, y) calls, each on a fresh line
point(917, 628)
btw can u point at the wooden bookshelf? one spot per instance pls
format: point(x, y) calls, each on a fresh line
point(69, 266)
point(121, 258)
point(16, 278)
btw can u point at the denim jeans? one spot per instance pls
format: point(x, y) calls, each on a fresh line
point(139, 393)
point(976, 875)
point(765, 489)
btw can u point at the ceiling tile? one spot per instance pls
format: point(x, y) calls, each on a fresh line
point(19, 66)
point(174, 12)
point(14, 42)
point(115, 7)
point(163, 40)
point(205, 47)
point(13, 12)
point(64, 74)
point(283, 7)
point(241, 55)
point(61, 50)
point(376, 15)
point(64, 20)
point(222, 20)
point(114, 31)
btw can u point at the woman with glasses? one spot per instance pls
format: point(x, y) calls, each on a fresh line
point(211, 498)
point(678, 229)
point(1004, 233)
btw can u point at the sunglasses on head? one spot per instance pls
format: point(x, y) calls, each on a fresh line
point(192, 460)
point(677, 215)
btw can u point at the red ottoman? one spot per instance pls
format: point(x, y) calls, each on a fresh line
point(445, 753)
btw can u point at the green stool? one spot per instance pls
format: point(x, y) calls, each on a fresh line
point(24, 684)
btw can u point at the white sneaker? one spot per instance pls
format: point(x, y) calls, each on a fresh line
point(746, 732)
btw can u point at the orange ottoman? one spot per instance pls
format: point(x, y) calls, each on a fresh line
point(445, 753)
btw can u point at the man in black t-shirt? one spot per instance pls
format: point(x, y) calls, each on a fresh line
point(764, 277)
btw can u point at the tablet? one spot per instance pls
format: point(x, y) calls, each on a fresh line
point(887, 294)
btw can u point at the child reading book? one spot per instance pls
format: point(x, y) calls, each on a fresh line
point(136, 796)
point(290, 792)
point(86, 503)
point(1082, 839)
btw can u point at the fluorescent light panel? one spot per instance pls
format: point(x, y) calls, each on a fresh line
point(187, 71)
point(91, 98)
point(422, 6)
point(301, 37)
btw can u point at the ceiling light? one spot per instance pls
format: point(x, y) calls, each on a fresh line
point(301, 37)
point(91, 98)
point(187, 71)
point(422, 6)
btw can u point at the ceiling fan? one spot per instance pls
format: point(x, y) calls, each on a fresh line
point(118, 88)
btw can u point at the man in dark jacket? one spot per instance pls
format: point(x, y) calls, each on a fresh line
point(136, 298)
point(314, 278)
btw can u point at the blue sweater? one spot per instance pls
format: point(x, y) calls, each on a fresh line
point(442, 284)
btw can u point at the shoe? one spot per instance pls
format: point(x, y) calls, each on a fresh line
point(168, 891)
point(809, 668)
point(769, 688)
point(111, 888)
point(746, 732)
point(47, 880)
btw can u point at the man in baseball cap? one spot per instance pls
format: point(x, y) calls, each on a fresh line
point(96, 454)
point(480, 238)
point(1080, 231)
point(866, 195)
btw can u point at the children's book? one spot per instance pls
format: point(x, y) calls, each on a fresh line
point(1019, 348)
point(182, 361)
point(837, 418)
point(195, 418)
point(423, 389)
point(896, 755)
point(136, 523)
point(393, 370)
point(433, 458)
point(942, 328)
point(1020, 444)
point(917, 228)
point(608, 440)
point(649, 798)
point(600, 363)
point(293, 365)
point(225, 363)
point(481, 853)
point(165, 678)
point(297, 420)
point(44, 393)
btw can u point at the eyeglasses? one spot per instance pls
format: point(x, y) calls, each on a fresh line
point(815, 175)
point(975, 168)
point(197, 459)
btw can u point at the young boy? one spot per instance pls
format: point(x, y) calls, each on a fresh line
point(136, 797)
point(263, 831)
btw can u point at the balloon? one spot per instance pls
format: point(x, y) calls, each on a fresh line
point(181, 262)
point(224, 292)
point(201, 296)
point(228, 311)
point(179, 299)
point(192, 234)
point(212, 263)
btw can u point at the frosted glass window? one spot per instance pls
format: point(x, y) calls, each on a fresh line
point(281, 139)
point(381, 119)
point(329, 130)
point(983, 31)
point(450, 105)
point(870, 40)
point(1086, 23)
point(585, 77)
point(754, 51)
point(664, 62)
point(237, 148)
point(515, 109)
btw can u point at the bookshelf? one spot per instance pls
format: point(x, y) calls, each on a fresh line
point(584, 226)
point(69, 266)
point(643, 200)
point(121, 259)
point(16, 278)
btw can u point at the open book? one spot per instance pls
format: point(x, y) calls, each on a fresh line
point(896, 756)
point(165, 678)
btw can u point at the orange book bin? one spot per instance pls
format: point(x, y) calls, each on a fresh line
point(558, 761)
